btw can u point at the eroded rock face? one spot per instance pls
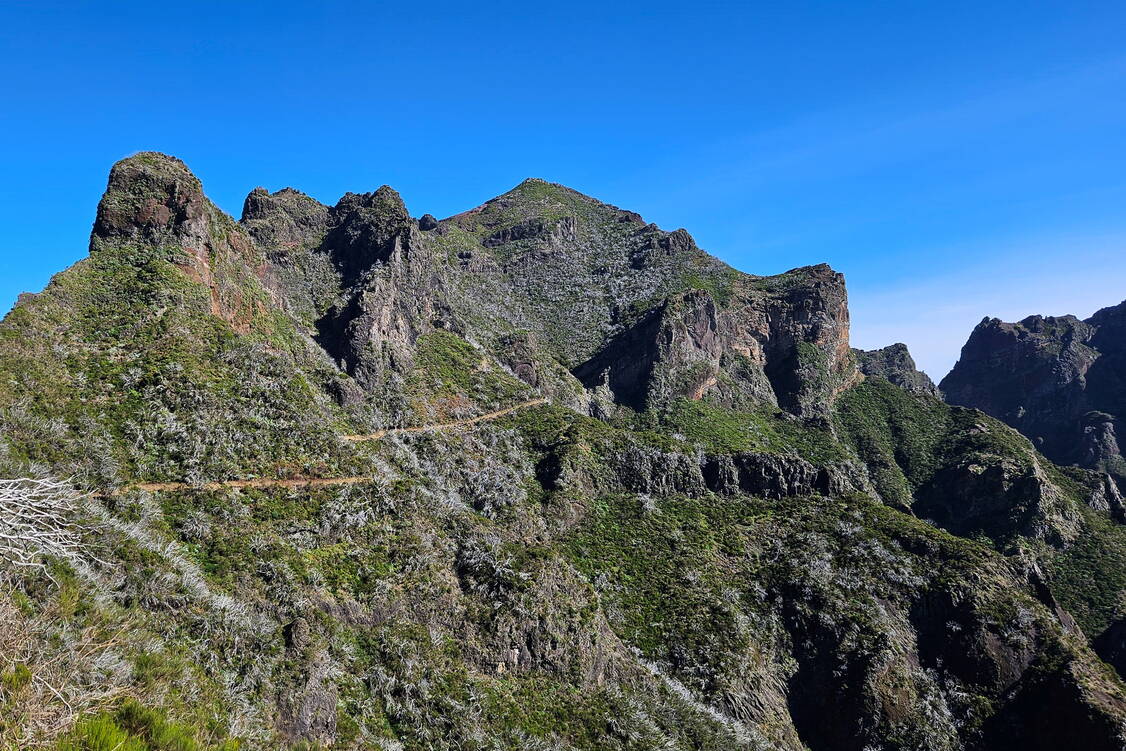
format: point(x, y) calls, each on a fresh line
point(641, 317)
point(153, 199)
point(787, 345)
point(1060, 381)
point(359, 270)
point(774, 476)
point(154, 209)
point(808, 360)
point(895, 363)
point(985, 495)
point(675, 351)
point(391, 288)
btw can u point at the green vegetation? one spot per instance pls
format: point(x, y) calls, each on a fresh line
point(725, 431)
point(1089, 578)
point(718, 281)
point(666, 565)
point(135, 727)
point(449, 368)
point(540, 580)
point(899, 435)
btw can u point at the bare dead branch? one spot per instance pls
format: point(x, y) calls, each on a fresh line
point(37, 521)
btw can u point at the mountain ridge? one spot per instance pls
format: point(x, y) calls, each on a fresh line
point(714, 532)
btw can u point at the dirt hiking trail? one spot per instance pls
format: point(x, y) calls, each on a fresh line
point(320, 482)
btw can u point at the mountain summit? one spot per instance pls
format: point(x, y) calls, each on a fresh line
point(536, 475)
point(1060, 381)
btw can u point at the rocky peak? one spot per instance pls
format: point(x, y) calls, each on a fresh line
point(1057, 379)
point(715, 575)
point(152, 198)
point(366, 228)
point(385, 203)
point(640, 315)
point(284, 219)
point(895, 363)
point(154, 211)
point(806, 347)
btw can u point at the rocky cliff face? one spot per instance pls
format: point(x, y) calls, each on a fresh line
point(1060, 381)
point(895, 364)
point(640, 317)
point(538, 475)
point(1057, 380)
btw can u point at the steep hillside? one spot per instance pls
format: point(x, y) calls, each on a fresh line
point(536, 476)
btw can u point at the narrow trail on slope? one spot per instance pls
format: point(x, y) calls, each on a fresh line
point(314, 482)
point(318, 482)
point(445, 425)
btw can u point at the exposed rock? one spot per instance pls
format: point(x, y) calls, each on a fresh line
point(533, 228)
point(367, 229)
point(779, 476)
point(153, 199)
point(427, 222)
point(786, 345)
point(895, 363)
point(297, 635)
point(1057, 380)
point(285, 219)
point(808, 360)
point(309, 712)
point(998, 498)
point(612, 301)
point(387, 287)
point(716, 575)
point(642, 469)
point(1106, 497)
point(673, 352)
point(154, 209)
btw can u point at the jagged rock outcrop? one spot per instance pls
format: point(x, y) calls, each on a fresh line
point(641, 469)
point(991, 496)
point(774, 476)
point(1106, 497)
point(357, 271)
point(894, 362)
point(808, 360)
point(154, 209)
point(1058, 380)
point(674, 351)
point(153, 200)
point(642, 317)
point(392, 287)
point(781, 344)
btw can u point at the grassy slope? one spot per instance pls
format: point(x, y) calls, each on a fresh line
point(906, 438)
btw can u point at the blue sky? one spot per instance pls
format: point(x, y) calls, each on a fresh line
point(954, 160)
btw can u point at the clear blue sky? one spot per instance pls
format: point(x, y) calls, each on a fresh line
point(954, 159)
